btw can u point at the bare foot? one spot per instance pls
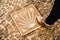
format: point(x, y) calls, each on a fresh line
point(40, 19)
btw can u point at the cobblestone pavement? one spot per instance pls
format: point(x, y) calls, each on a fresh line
point(8, 29)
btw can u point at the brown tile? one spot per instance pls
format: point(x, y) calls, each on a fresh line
point(25, 19)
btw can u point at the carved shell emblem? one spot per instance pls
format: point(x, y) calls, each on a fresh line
point(25, 19)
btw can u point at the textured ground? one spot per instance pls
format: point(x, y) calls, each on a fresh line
point(8, 29)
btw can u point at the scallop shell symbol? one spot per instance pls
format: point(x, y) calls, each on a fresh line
point(26, 18)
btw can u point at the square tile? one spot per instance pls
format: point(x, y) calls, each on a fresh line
point(25, 19)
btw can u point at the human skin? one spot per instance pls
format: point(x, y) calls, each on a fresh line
point(40, 19)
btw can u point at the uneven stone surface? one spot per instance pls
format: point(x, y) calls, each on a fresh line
point(8, 30)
